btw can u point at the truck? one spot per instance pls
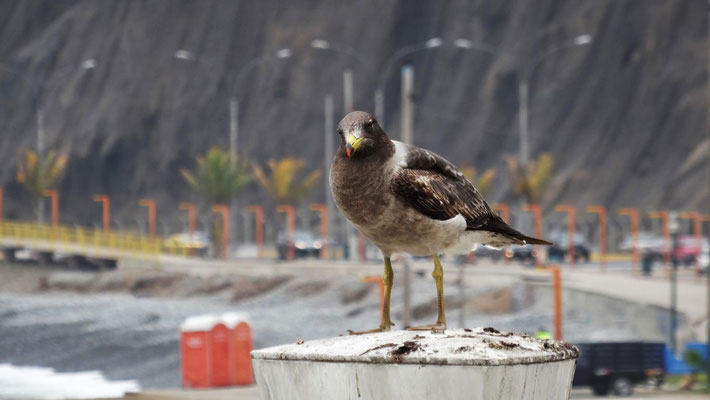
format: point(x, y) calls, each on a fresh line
point(615, 367)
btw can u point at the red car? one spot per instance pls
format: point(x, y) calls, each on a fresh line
point(687, 249)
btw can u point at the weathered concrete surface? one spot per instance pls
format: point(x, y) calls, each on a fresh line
point(479, 363)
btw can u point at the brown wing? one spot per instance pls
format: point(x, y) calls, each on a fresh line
point(440, 197)
point(436, 188)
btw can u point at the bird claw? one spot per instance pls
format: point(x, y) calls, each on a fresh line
point(434, 328)
point(376, 330)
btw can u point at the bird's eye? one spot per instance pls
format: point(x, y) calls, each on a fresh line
point(340, 132)
point(369, 124)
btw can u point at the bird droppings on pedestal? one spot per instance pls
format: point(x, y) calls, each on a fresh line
point(401, 351)
point(479, 346)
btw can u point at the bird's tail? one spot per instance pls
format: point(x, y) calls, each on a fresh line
point(515, 237)
point(532, 240)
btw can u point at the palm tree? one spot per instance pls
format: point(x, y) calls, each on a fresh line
point(39, 175)
point(483, 182)
point(530, 181)
point(286, 182)
point(219, 177)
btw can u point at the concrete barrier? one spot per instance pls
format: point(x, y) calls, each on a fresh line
point(480, 364)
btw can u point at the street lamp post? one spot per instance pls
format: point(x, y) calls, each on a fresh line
point(182, 54)
point(87, 64)
point(348, 102)
point(524, 97)
point(432, 43)
point(674, 228)
point(322, 44)
point(524, 91)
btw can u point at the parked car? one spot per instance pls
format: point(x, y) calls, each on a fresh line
point(305, 244)
point(198, 243)
point(655, 246)
point(560, 249)
point(617, 367)
point(687, 250)
point(649, 244)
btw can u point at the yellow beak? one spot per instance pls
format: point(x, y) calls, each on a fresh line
point(352, 144)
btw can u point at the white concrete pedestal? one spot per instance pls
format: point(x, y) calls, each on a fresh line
point(474, 364)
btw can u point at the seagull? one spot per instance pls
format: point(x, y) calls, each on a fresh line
point(407, 199)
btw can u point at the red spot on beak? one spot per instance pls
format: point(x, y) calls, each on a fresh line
point(348, 151)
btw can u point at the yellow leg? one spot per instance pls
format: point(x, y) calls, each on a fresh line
point(385, 322)
point(438, 275)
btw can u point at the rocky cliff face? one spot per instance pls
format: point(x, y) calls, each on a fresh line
point(624, 116)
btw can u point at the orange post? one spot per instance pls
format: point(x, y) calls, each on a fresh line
point(52, 194)
point(223, 210)
point(663, 216)
point(601, 212)
point(697, 234)
point(291, 221)
point(151, 214)
point(537, 214)
point(259, 214)
point(106, 206)
point(381, 282)
point(634, 222)
point(557, 288)
point(571, 213)
point(190, 208)
point(504, 211)
point(323, 210)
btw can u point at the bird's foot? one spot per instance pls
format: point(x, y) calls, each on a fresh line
point(382, 328)
point(438, 327)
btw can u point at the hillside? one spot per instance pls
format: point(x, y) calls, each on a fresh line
point(624, 116)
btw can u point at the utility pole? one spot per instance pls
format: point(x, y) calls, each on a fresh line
point(40, 133)
point(353, 239)
point(523, 92)
point(40, 154)
point(406, 136)
point(233, 127)
point(673, 312)
point(407, 104)
point(329, 133)
point(380, 106)
point(348, 91)
point(233, 136)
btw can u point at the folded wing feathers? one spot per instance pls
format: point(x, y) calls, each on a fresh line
point(436, 188)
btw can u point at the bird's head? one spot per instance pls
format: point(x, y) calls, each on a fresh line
point(361, 135)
